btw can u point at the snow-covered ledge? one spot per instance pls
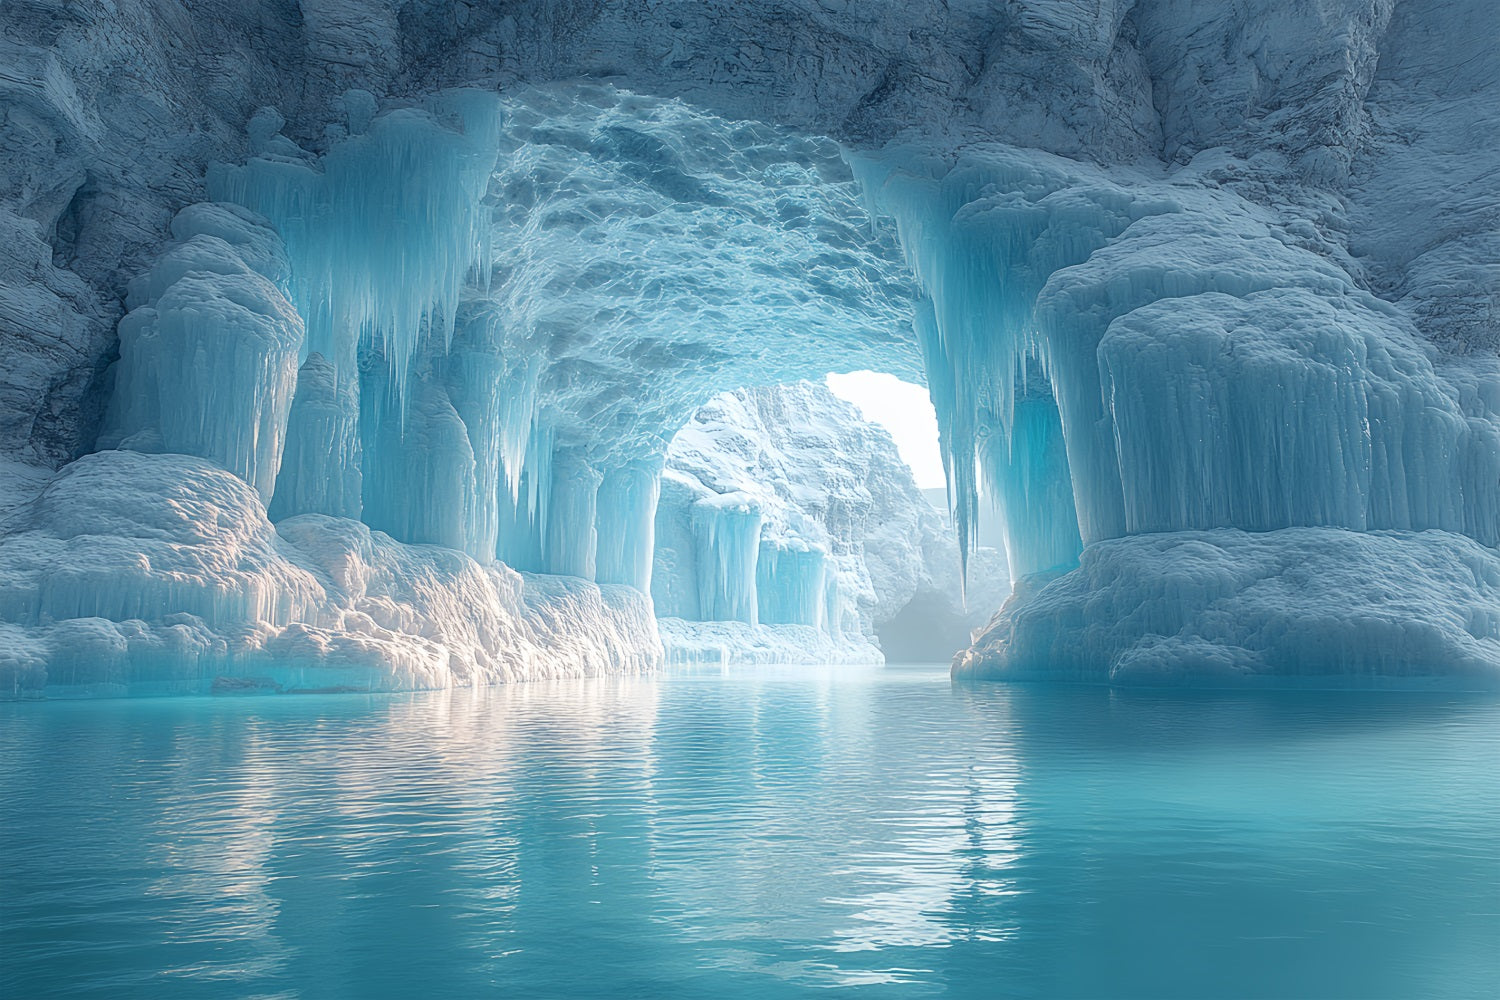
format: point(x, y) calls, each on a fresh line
point(160, 574)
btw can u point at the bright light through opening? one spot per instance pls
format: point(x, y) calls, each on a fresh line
point(902, 409)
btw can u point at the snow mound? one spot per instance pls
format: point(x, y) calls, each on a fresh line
point(742, 644)
point(1311, 606)
point(142, 574)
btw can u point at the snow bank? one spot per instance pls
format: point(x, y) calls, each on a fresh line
point(143, 574)
point(741, 644)
point(1314, 606)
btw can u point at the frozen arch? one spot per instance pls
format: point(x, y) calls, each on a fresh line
point(1143, 344)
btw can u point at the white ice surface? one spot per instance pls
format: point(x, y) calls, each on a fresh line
point(136, 573)
point(1313, 606)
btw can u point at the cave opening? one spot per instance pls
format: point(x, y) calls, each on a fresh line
point(813, 516)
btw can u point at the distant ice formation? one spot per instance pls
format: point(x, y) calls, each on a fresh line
point(790, 529)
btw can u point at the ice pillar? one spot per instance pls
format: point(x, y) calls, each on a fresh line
point(726, 533)
point(1029, 469)
point(320, 467)
point(792, 584)
point(208, 359)
point(571, 536)
point(627, 524)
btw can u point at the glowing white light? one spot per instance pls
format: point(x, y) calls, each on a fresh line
point(903, 409)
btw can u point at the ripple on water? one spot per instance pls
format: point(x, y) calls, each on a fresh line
point(881, 831)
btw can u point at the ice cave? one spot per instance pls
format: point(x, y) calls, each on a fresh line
point(874, 493)
point(428, 389)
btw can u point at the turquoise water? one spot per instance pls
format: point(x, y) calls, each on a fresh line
point(874, 832)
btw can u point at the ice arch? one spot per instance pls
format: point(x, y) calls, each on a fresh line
point(1176, 392)
point(541, 288)
point(465, 331)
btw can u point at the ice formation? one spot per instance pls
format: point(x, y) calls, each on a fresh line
point(136, 573)
point(1204, 294)
point(789, 527)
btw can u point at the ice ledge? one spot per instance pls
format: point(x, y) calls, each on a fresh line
point(690, 644)
point(1296, 607)
point(160, 574)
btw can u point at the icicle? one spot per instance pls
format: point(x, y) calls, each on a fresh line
point(792, 584)
point(571, 536)
point(383, 230)
point(208, 359)
point(727, 532)
point(320, 468)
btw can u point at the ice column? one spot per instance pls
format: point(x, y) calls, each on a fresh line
point(474, 375)
point(627, 524)
point(1029, 470)
point(519, 543)
point(418, 467)
point(726, 530)
point(571, 536)
point(320, 467)
point(208, 356)
point(793, 581)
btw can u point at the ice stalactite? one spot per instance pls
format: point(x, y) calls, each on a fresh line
point(384, 231)
point(1028, 469)
point(726, 530)
point(419, 470)
point(794, 583)
point(519, 531)
point(208, 353)
point(982, 239)
point(382, 234)
point(571, 539)
point(385, 228)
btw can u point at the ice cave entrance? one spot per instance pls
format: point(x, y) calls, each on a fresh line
point(813, 515)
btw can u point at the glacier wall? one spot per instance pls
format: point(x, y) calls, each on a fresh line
point(1176, 275)
point(1211, 367)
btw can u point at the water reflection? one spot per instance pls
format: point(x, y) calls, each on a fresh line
point(755, 834)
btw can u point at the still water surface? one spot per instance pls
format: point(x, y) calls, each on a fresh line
point(856, 832)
